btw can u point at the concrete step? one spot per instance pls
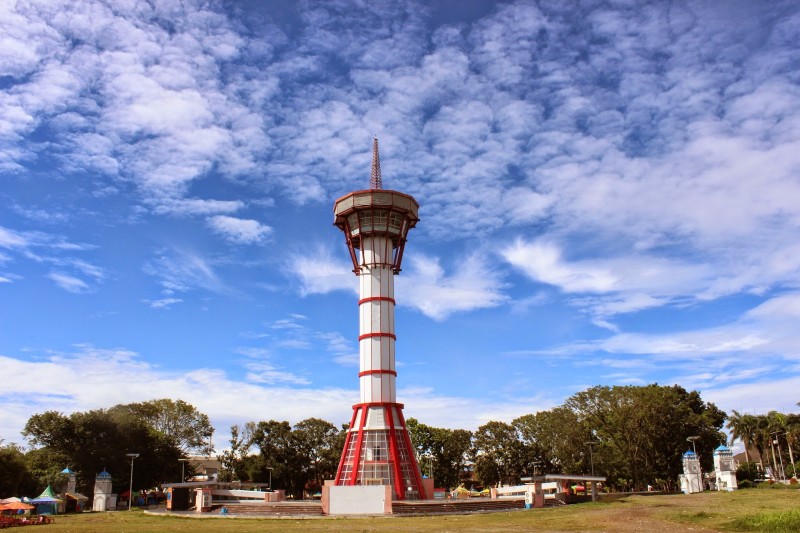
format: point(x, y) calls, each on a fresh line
point(455, 506)
point(305, 508)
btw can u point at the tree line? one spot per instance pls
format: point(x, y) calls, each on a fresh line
point(160, 431)
point(774, 436)
point(293, 458)
point(633, 435)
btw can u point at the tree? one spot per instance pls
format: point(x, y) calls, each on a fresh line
point(555, 441)
point(279, 456)
point(422, 438)
point(642, 431)
point(450, 456)
point(96, 440)
point(498, 454)
point(234, 460)
point(189, 429)
point(441, 452)
point(15, 477)
point(320, 447)
point(744, 428)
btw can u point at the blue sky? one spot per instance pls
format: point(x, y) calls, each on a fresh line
point(609, 195)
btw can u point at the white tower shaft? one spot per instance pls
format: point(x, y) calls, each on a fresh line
point(377, 374)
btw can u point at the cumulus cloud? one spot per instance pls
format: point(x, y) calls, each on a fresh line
point(127, 98)
point(425, 285)
point(119, 373)
point(631, 159)
point(239, 230)
point(611, 286)
point(472, 285)
point(321, 272)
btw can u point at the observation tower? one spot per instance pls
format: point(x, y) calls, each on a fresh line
point(377, 450)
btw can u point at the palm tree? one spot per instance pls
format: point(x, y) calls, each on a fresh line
point(744, 428)
point(772, 423)
point(761, 437)
point(792, 437)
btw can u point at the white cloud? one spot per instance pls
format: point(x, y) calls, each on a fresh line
point(292, 333)
point(758, 397)
point(423, 283)
point(239, 230)
point(12, 239)
point(543, 262)
point(184, 270)
point(266, 373)
point(163, 303)
point(606, 287)
point(193, 206)
point(425, 286)
point(320, 272)
point(757, 344)
point(151, 107)
point(69, 283)
point(94, 378)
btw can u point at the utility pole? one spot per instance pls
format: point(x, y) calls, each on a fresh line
point(183, 468)
point(591, 457)
point(130, 487)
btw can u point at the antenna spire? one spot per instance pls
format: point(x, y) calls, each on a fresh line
point(375, 181)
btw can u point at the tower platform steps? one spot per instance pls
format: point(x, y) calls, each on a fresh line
point(299, 508)
point(472, 505)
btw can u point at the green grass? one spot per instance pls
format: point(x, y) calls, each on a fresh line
point(773, 521)
point(749, 510)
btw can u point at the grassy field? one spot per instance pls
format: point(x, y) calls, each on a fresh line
point(745, 510)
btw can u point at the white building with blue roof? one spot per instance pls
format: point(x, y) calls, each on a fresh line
point(692, 477)
point(725, 468)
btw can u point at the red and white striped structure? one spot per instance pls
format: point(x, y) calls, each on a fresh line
point(378, 450)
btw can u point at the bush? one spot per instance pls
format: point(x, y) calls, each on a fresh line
point(775, 486)
point(746, 484)
point(747, 472)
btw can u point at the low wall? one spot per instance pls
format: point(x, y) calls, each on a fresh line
point(357, 499)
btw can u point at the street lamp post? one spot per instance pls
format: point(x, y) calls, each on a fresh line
point(183, 468)
point(693, 439)
point(780, 454)
point(130, 487)
point(270, 478)
point(591, 457)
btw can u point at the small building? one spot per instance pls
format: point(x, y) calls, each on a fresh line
point(692, 477)
point(72, 480)
point(103, 500)
point(725, 469)
point(74, 502)
point(203, 468)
